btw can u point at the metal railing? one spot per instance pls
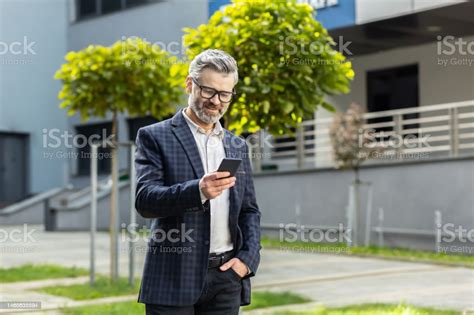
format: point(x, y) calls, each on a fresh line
point(43, 199)
point(434, 131)
point(94, 190)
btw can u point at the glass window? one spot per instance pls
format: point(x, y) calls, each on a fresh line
point(132, 3)
point(86, 7)
point(111, 6)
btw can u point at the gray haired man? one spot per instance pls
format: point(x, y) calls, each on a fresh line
point(207, 269)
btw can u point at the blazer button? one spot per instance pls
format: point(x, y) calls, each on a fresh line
point(206, 242)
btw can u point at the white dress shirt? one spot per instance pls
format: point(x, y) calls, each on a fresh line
point(211, 150)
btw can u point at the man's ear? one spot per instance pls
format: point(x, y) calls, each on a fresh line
point(189, 84)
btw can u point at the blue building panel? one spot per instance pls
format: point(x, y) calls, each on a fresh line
point(338, 14)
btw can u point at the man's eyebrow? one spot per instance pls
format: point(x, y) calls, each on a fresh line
point(209, 87)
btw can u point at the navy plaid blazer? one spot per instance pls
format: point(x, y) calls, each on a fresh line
point(169, 168)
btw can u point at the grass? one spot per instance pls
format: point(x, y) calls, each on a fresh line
point(374, 309)
point(31, 272)
point(129, 308)
point(373, 251)
point(259, 300)
point(267, 299)
point(102, 288)
point(133, 308)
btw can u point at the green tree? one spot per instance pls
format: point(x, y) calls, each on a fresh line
point(131, 76)
point(286, 60)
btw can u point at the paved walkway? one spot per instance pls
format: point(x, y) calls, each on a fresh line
point(330, 279)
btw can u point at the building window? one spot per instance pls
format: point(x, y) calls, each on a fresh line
point(393, 88)
point(132, 3)
point(101, 131)
point(13, 167)
point(91, 8)
point(136, 123)
point(86, 8)
point(109, 6)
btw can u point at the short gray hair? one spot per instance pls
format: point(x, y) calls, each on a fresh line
point(216, 60)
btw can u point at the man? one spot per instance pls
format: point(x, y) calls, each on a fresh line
point(206, 224)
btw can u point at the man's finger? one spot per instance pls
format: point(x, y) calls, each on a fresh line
point(221, 187)
point(228, 264)
point(218, 175)
point(222, 182)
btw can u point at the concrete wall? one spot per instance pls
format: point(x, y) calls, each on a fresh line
point(438, 83)
point(160, 23)
point(409, 193)
point(28, 93)
point(79, 219)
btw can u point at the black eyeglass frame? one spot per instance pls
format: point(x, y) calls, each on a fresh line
point(234, 92)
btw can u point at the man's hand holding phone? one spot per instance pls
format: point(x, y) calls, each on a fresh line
point(213, 184)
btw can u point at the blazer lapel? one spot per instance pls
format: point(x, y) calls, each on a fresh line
point(185, 137)
point(231, 152)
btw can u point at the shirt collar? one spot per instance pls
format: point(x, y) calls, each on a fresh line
point(217, 130)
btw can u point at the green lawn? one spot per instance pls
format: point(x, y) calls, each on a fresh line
point(266, 299)
point(133, 308)
point(259, 300)
point(373, 251)
point(374, 309)
point(128, 308)
point(39, 272)
point(102, 288)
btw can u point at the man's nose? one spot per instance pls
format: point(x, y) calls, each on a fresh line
point(215, 100)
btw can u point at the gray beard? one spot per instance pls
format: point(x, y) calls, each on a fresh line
point(198, 109)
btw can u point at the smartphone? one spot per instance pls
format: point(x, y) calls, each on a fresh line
point(229, 165)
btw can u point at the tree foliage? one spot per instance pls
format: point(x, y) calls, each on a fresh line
point(131, 76)
point(287, 63)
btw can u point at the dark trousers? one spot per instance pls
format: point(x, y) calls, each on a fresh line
point(221, 295)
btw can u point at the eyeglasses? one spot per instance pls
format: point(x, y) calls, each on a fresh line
point(208, 93)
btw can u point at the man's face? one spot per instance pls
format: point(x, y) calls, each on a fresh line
point(209, 110)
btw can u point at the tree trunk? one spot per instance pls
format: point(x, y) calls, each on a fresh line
point(356, 213)
point(114, 204)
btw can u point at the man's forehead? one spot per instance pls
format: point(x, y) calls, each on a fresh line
point(217, 80)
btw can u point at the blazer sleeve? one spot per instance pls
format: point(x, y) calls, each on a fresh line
point(249, 222)
point(152, 198)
